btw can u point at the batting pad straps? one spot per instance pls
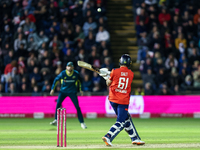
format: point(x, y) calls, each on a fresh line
point(130, 128)
point(114, 130)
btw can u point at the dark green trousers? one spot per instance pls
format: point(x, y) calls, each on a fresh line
point(74, 99)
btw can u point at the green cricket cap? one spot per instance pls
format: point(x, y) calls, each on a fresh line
point(70, 64)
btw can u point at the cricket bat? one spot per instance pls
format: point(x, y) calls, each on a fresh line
point(88, 66)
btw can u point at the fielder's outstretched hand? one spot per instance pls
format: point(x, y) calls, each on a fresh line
point(51, 92)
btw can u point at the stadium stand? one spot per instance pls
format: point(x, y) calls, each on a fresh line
point(168, 45)
point(38, 38)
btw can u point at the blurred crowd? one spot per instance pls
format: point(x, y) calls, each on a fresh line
point(168, 33)
point(38, 38)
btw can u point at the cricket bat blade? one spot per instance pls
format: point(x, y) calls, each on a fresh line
point(88, 66)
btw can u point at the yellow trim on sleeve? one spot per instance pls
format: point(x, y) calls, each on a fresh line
point(79, 84)
point(55, 85)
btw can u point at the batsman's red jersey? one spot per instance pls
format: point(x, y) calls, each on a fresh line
point(120, 88)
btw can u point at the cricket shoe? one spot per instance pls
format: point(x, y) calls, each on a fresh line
point(138, 142)
point(83, 125)
point(107, 141)
point(54, 123)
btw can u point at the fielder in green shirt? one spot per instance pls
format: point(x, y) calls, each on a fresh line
point(70, 79)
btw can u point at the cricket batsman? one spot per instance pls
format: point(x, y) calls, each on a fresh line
point(69, 78)
point(119, 83)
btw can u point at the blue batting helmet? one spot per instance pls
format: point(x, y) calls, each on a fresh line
point(125, 60)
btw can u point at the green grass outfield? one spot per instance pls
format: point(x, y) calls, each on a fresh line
point(158, 133)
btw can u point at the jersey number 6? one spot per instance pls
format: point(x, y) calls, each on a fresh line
point(123, 82)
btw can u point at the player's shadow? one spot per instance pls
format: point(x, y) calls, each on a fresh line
point(52, 129)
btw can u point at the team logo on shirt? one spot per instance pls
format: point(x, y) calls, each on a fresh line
point(73, 77)
point(65, 77)
point(69, 80)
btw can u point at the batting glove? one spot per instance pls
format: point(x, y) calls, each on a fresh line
point(104, 73)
